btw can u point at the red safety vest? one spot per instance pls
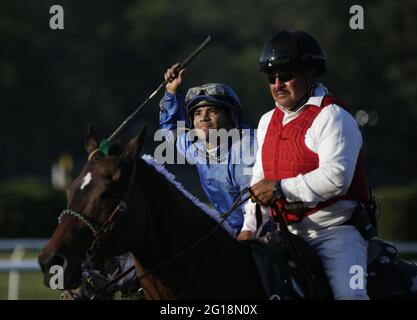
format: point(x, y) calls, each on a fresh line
point(285, 155)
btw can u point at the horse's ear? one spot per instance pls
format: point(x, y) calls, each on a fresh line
point(91, 141)
point(134, 146)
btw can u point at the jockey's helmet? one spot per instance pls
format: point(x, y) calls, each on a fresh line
point(213, 94)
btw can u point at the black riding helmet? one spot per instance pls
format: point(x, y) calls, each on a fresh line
point(293, 49)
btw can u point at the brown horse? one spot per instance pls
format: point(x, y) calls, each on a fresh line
point(133, 208)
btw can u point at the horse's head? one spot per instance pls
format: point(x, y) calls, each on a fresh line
point(96, 203)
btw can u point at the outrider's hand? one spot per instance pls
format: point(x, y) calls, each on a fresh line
point(174, 78)
point(263, 192)
point(246, 235)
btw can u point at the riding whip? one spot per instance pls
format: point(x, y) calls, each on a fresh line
point(162, 85)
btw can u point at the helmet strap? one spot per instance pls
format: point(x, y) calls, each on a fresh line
point(311, 85)
point(309, 92)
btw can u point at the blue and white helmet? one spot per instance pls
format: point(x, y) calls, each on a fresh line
point(213, 94)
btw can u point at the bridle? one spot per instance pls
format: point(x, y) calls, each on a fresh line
point(100, 230)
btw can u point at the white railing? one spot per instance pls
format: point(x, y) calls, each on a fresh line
point(18, 247)
point(28, 244)
point(16, 263)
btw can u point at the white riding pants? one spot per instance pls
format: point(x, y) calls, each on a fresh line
point(343, 253)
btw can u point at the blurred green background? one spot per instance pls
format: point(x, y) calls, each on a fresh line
point(112, 54)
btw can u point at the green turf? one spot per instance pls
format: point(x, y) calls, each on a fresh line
point(30, 285)
point(30, 288)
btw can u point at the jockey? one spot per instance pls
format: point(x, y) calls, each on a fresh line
point(309, 155)
point(224, 168)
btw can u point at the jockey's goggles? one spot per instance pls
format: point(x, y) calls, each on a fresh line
point(218, 90)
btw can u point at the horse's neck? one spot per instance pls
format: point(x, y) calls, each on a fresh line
point(173, 222)
point(170, 213)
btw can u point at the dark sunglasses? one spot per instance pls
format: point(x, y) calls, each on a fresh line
point(283, 77)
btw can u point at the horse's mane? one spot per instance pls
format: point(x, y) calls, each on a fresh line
point(215, 215)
